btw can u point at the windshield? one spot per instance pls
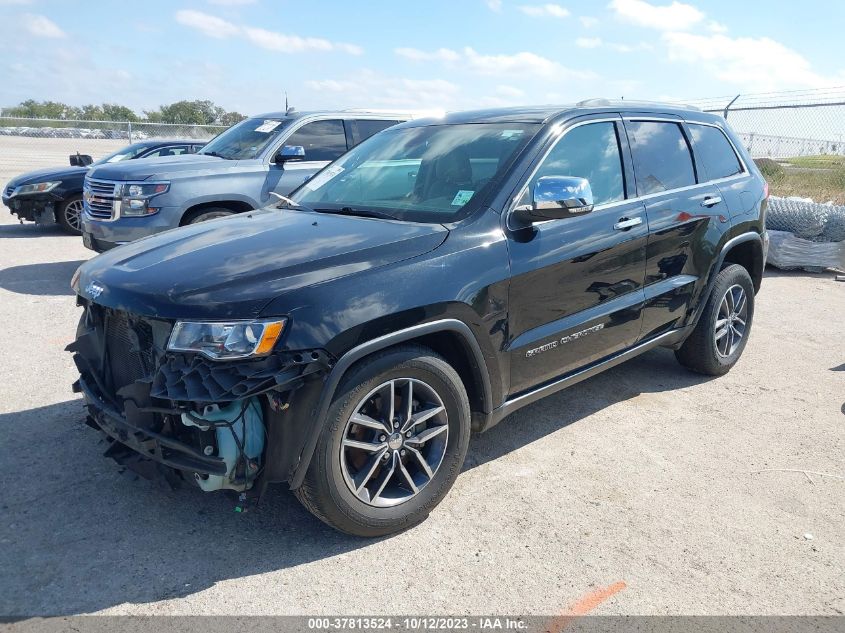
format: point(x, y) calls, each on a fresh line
point(246, 139)
point(437, 173)
point(124, 153)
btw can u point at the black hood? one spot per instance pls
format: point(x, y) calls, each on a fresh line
point(52, 173)
point(232, 267)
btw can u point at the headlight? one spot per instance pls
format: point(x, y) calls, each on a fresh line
point(37, 187)
point(135, 198)
point(225, 341)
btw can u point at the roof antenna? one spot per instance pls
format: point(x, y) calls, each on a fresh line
point(288, 109)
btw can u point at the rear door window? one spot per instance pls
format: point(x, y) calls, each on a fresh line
point(662, 158)
point(322, 140)
point(714, 154)
point(173, 150)
point(362, 129)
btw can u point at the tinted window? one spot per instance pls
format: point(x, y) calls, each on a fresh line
point(365, 128)
point(714, 152)
point(591, 152)
point(322, 140)
point(662, 157)
point(168, 151)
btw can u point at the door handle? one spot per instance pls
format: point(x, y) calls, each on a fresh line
point(627, 223)
point(711, 201)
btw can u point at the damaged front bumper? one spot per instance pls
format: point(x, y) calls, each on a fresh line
point(40, 208)
point(166, 412)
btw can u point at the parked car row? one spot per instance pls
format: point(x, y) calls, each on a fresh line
point(54, 195)
point(65, 132)
point(443, 273)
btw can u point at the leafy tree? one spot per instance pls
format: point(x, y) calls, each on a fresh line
point(198, 112)
point(115, 112)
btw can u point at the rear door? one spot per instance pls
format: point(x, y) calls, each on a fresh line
point(683, 212)
point(362, 129)
point(323, 141)
point(577, 283)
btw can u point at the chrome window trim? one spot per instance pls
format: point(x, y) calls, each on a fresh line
point(745, 172)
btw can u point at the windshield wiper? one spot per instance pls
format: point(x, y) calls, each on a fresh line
point(216, 154)
point(287, 203)
point(364, 213)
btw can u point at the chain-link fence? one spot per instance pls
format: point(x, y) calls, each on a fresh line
point(104, 130)
point(797, 138)
point(27, 143)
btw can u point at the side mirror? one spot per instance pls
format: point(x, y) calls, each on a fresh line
point(80, 160)
point(289, 152)
point(557, 197)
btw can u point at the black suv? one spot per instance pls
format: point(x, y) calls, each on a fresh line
point(431, 281)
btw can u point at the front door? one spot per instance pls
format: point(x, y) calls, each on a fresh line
point(323, 142)
point(577, 283)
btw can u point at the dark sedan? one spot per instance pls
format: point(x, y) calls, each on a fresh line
point(53, 195)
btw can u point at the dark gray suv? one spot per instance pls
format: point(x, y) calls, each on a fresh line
point(237, 171)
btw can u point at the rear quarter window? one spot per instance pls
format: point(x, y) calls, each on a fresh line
point(662, 158)
point(714, 154)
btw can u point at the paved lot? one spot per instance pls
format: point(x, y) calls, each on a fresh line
point(633, 493)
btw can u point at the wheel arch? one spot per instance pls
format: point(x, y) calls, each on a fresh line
point(236, 206)
point(451, 338)
point(747, 251)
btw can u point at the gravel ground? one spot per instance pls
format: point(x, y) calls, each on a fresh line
point(634, 492)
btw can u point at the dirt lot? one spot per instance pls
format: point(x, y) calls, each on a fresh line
point(636, 492)
point(21, 153)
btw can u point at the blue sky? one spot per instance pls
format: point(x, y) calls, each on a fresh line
point(432, 54)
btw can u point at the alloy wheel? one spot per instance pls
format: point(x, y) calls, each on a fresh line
point(73, 214)
point(394, 442)
point(731, 321)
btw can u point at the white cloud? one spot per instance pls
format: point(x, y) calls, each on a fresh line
point(588, 42)
point(544, 10)
point(216, 27)
point(41, 26)
point(673, 17)
point(441, 54)
point(209, 25)
point(494, 5)
point(754, 63)
point(509, 91)
point(371, 89)
point(597, 42)
point(588, 22)
point(716, 27)
point(502, 64)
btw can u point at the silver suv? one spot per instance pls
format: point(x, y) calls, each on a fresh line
point(235, 172)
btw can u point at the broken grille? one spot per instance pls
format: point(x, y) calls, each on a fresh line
point(129, 349)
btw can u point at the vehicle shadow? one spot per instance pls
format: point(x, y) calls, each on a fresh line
point(40, 279)
point(30, 229)
point(87, 537)
point(652, 372)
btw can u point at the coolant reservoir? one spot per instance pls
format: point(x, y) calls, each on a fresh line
point(247, 423)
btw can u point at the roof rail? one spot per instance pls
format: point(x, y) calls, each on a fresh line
point(604, 103)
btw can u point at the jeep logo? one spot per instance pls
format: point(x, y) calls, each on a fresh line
point(93, 289)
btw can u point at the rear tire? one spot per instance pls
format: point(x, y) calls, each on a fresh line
point(721, 334)
point(406, 468)
point(69, 215)
point(203, 215)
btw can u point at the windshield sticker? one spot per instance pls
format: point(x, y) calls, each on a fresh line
point(268, 126)
point(461, 198)
point(323, 177)
point(512, 133)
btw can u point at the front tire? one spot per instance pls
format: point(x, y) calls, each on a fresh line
point(209, 213)
point(721, 334)
point(393, 443)
point(69, 215)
